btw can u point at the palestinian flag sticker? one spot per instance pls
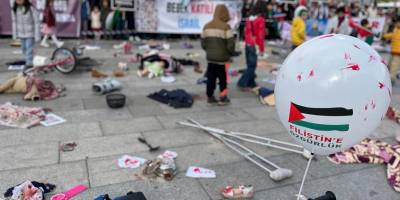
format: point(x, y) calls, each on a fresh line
point(296, 116)
point(311, 125)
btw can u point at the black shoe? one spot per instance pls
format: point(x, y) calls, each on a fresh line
point(212, 101)
point(224, 101)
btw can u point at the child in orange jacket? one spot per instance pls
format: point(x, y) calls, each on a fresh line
point(395, 49)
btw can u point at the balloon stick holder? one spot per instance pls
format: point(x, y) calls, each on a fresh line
point(230, 139)
point(299, 195)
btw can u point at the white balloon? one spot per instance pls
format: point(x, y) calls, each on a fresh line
point(332, 92)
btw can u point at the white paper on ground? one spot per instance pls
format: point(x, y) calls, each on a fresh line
point(15, 67)
point(130, 162)
point(198, 172)
point(52, 119)
point(168, 79)
point(92, 47)
point(169, 154)
point(17, 52)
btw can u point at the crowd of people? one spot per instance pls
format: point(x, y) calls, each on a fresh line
point(296, 23)
point(262, 20)
point(322, 16)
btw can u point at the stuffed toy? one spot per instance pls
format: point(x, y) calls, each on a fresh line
point(33, 88)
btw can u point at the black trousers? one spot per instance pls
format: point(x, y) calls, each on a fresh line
point(214, 72)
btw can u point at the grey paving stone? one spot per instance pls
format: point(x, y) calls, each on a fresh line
point(204, 155)
point(263, 113)
point(20, 156)
point(79, 94)
point(56, 105)
point(235, 103)
point(170, 110)
point(211, 117)
point(104, 170)
point(95, 115)
point(64, 176)
point(103, 146)
point(156, 82)
point(388, 128)
point(322, 167)
point(368, 184)
point(245, 172)
point(40, 134)
point(130, 125)
point(146, 110)
point(178, 188)
point(176, 137)
point(281, 193)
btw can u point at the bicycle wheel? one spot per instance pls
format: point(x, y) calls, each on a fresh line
point(63, 54)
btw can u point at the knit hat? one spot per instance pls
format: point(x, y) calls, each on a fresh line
point(299, 11)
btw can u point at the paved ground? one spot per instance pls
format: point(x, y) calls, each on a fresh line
point(103, 135)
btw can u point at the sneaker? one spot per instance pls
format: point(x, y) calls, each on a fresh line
point(59, 44)
point(45, 44)
point(212, 101)
point(224, 101)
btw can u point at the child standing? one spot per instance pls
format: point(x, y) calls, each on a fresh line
point(395, 58)
point(49, 26)
point(298, 31)
point(254, 36)
point(95, 16)
point(218, 42)
point(25, 26)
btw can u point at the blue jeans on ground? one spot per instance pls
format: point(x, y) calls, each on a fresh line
point(27, 45)
point(249, 76)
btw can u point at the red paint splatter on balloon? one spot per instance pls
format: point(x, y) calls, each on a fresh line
point(311, 74)
point(353, 67)
point(299, 77)
point(373, 104)
point(371, 58)
point(347, 56)
point(326, 36)
point(381, 85)
point(356, 46)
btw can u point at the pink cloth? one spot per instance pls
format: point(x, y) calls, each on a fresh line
point(46, 89)
point(20, 117)
point(70, 193)
point(48, 30)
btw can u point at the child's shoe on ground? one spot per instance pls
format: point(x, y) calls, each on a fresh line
point(241, 192)
point(44, 44)
point(223, 101)
point(212, 101)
